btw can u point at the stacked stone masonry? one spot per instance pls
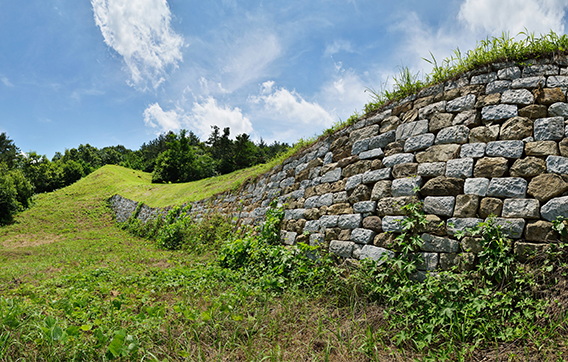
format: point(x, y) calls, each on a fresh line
point(493, 141)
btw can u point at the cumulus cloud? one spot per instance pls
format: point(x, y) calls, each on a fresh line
point(208, 113)
point(493, 17)
point(162, 121)
point(140, 31)
point(290, 107)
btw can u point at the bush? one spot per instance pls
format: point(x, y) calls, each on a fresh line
point(15, 193)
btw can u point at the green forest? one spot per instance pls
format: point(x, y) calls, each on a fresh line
point(171, 158)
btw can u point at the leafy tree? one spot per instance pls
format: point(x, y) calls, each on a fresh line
point(8, 151)
point(15, 192)
point(244, 152)
point(222, 149)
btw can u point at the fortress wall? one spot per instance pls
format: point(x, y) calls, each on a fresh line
point(493, 141)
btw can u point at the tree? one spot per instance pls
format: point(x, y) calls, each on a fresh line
point(15, 192)
point(8, 151)
point(222, 149)
point(244, 152)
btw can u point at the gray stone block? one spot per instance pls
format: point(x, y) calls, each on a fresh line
point(430, 110)
point(507, 149)
point(459, 168)
point(294, 214)
point(439, 205)
point(439, 244)
point(507, 187)
point(429, 261)
point(298, 194)
point(406, 186)
point(557, 206)
point(498, 86)
point(332, 176)
point(393, 224)
point(559, 109)
point(375, 253)
point(407, 130)
point(364, 207)
point(557, 164)
point(431, 169)
point(311, 202)
point(382, 140)
point(325, 200)
point(329, 221)
point(374, 153)
point(529, 82)
point(398, 159)
point(540, 69)
point(525, 208)
point(455, 224)
point(551, 128)
point(362, 236)
point(420, 142)
point(287, 182)
point(484, 78)
point(461, 104)
point(510, 73)
point(557, 81)
point(328, 158)
point(349, 221)
point(317, 240)
point(341, 248)
point(312, 226)
point(499, 112)
point(340, 197)
point(289, 237)
point(476, 186)
point(360, 146)
point(353, 182)
point(473, 150)
point(512, 228)
point(517, 96)
point(377, 175)
point(467, 118)
point(454, 134)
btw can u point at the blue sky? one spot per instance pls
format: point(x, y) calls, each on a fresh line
point(110, 72)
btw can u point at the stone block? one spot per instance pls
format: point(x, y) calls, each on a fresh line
point(467, 118)
point(516, 128)
point(439, 244)
point(490, 206)
point(517, 96)
point(398, 159)
point(533, 111)
point(362, 236)
point(498, 112)
point(557, 82)
point(353, 182)
point(393, 205)
point(510, 73)
point(439, 205)
point(551, 128)
point(317, 240)
point(349, 221)
point(498, 86)
point(546, 186)
point(362, 133)
point(554, 208)
point(382, 140)
point(541, 148)
point(461, 224)
point(461, 104)
point(466, 206)
point(438, 153)
point(483, 78)
point(405, 170)
point(389, 124)
point(483, 134)
point(332, 176)
point(549, 96)
point(325, 200)
point(407, 130)
point(312, 226)
point(373, 223)
point(559, 109)
point(289, 237)
point(406, 186)
point(375, 253)
point(377, 175)
point(420, 142)
point(459, 168)
point(454, 134)
point(557, 164)
point(340, 197)
point(340, 209)
point(512, 228)
point(360, 146)
point(329, 221)
point(471, 245)
point(440, 121)
point(507, 187)
point(540, 69)
point(382, 189)
point(507, 149)
point(473, 150)
point(541, 231)
point(563, 147)
point(525, 208)
point(428, 111)
point(476, 186)
point(443, 186)
point(529, 82)
point(431, 169)
point(525, 251)
point(294, 214)
point(528, 167)
point(371, 154)
point(311, 202)
point(341, 248)
point(393, 223)
point(429, 261)
point(364, 207)
point(490, 167)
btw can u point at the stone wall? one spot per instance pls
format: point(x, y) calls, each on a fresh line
point(492, 141)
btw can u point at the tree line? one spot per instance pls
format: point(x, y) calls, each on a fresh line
point(171, 157)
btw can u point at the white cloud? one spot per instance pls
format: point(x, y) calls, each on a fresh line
point(139, 30)
point(337, 46)
point(493, 17)
point(6, 82)
point(209, 113)
point(162, 121)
